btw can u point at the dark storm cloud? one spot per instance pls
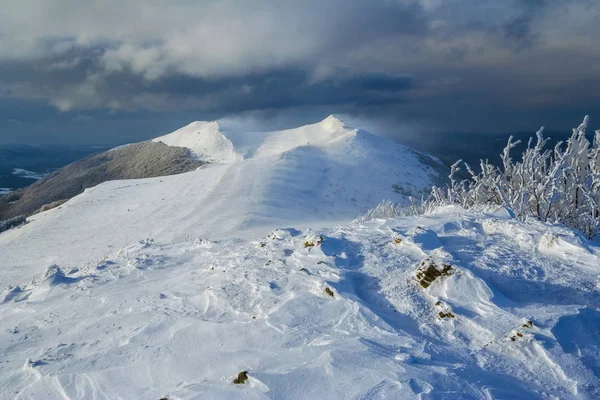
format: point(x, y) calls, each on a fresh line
point(519, 30)
point(79, 82)
point(72, 62)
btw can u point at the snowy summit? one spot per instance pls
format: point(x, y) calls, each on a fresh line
point(251, 278)
point(204, 140)
point(316, 175)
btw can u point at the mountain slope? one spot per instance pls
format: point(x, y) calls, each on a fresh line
point(517, 317)
point(318, 175)
point(38, 159)
point(138, 160)
point(170, 287)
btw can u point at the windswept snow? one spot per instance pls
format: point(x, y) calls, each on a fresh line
point(317, 175)
point(181, 320)
point(321, 135)
point(204, 140)
point(169, 287)
point(207, 142)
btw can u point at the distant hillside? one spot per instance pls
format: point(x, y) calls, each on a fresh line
point(140, 160)
point(40, 160)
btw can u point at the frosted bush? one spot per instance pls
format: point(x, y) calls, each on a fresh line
point(12, 222)
point(388, 209)
point(560, 185)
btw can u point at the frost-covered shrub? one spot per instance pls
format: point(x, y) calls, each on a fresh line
point(388, 209)
point(560, 185)
point(50, 206)
point(12, 222)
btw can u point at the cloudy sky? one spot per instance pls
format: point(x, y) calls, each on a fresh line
point(114, 71)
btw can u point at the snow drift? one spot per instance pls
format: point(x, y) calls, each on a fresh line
point(334, 313)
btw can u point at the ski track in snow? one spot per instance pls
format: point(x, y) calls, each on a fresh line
point(180, 320)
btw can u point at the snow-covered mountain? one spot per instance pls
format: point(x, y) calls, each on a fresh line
point(204, 140)
point(250, 269)
point(314, 175)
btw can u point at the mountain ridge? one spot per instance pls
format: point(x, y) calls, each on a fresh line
point(319, 174)
point(255, 267)
point(208, 142)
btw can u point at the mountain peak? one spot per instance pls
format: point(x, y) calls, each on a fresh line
point(205, 141)
point(333, 122)
point(200, 124)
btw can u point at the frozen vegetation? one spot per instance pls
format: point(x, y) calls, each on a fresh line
point(12, 222)
point(250, 278)
point(560, 185)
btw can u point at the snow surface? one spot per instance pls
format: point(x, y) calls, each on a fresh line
point(171, 286)
point(316, 175)
point(207, 142)
point(180, 320)
point(204, 140)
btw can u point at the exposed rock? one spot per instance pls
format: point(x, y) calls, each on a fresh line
point(429, 271)
point(528, 324)
point(241, 378)
point(446, 315)
point(313, 241)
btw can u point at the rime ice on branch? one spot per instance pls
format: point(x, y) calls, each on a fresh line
point(560, 185)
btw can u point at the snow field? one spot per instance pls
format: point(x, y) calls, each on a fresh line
point(180, 320)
